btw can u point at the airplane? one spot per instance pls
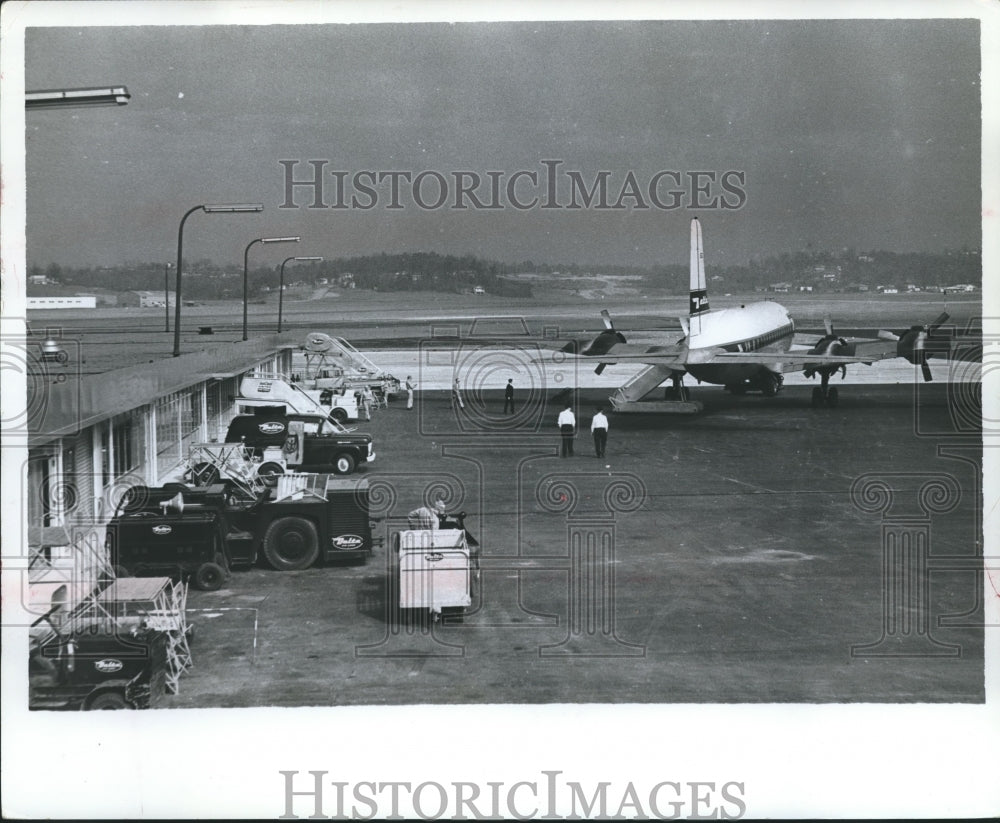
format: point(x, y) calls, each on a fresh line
point(745, 348)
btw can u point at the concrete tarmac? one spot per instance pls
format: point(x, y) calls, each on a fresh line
point(763, 551)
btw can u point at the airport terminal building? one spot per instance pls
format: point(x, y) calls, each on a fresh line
point(92, 436)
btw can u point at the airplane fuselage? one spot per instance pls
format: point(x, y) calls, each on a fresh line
point(762, 326)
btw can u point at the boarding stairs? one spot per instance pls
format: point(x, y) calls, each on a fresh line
point(628, 398)
point(335, 358)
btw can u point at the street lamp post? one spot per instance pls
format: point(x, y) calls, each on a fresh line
point(225, 208)
point(166, 297)
point(281, 284)
point(246, 254)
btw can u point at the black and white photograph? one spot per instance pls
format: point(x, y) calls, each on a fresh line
point(558, 411)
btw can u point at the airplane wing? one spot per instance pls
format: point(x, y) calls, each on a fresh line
point(637, 353)
point(915, 344)
point(680, 356)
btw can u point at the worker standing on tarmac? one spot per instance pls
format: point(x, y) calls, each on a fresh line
point(410, 386)
point(367, 399)
point(599, 428)
point(456, 395)
point(567, 428)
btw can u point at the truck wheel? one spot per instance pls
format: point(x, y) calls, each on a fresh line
point(107, 701)
point(209, 577)
point(339, 415)
point(291, 544)
point(123, 571)
point(268, 472)
point(343, 464)
point(204, 474)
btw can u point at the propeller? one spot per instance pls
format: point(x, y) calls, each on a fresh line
point(912, 343)
point(597, 345)
point(831, 344)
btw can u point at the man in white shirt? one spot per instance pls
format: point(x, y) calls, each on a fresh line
point(567, 427)
point(599, 428)
point(427, 517)
point(410, 386)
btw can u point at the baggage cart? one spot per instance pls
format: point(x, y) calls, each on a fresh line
point(437, 570)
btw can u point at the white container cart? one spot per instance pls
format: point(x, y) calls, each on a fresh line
point(437, 568)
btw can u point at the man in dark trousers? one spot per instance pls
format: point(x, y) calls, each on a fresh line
point(508, 398)
point(599, 428)
point(567, 428)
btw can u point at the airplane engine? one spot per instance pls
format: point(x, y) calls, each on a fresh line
point(918, 343)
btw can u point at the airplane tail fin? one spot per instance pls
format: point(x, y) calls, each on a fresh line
point(699, 286)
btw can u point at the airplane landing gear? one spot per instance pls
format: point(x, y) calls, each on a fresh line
point(677, 391)
point(823, 395)
point(771, 384)
point(829, 399)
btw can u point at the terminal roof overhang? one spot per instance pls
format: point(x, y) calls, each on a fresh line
point(65, 408)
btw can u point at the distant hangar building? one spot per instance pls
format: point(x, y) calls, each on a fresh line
point(144, 299)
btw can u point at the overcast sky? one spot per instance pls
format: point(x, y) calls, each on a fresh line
point(861, 134)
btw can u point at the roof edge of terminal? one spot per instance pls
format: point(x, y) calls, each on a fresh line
point(63, 409)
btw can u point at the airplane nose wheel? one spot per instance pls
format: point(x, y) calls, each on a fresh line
point(772, 385)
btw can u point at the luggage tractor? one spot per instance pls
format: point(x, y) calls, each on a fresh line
point(203, 533)
point(114, 667)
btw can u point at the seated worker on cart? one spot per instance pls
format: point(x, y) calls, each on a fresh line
point(427, 517)
point(437, 517)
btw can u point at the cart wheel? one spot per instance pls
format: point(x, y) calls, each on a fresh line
point(107, 701)
point(209, 577)
point(204, 474)
point(339, 415)
point(123, 571)
point(269, 472)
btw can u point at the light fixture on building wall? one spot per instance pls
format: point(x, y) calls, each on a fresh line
point(76, 98)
